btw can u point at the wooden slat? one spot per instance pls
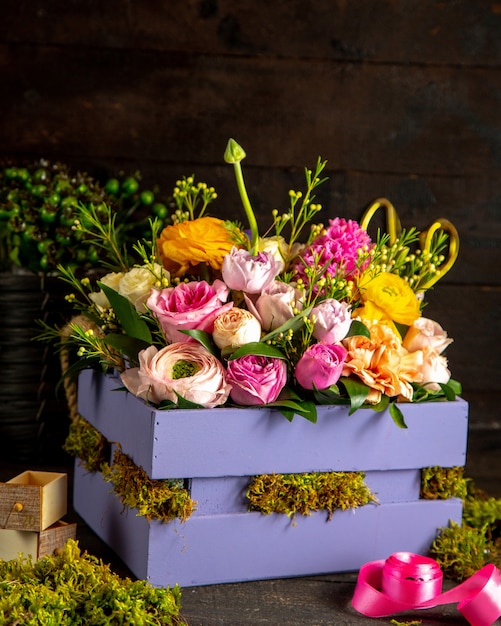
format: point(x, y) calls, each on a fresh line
point(416, 31)
point(173, 107)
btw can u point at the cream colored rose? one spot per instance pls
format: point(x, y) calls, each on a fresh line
point(111, 280)
point(137, 283)
point(236, 328)
point(426, 333)
point(434, 369)
point(277, 246)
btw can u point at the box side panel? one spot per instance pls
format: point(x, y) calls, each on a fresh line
point(243, 442)
point(125, 532)
point(118, 415)
point(227, 494)
point(210, 549)
point(54, 500)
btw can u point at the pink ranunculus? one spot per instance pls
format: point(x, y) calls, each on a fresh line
point(186, 369)
point(434, 369)
point(251, 274)
point(189, 306)
point(256, 379)
point(275, 305)
point(426, 333)
point(332, 320)
point(320, 366)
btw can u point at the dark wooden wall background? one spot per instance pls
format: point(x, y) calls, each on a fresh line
point(402, 97)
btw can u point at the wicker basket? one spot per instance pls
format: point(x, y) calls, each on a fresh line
point(33, 417)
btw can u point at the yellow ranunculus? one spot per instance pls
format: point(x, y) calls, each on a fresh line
point(387, 297)
point(189, 243)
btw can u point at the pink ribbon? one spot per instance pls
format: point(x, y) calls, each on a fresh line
point(406, 581)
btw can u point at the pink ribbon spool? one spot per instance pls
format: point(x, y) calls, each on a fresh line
point(407, 581)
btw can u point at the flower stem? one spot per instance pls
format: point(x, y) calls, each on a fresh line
point(234, 153)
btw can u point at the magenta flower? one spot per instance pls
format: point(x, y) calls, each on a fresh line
point(256, 379)
point(189, 306)
point(339, 248)
point(320, 366)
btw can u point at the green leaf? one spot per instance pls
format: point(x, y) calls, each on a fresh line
point(203, 338)
point(127, 315)
point(304, 408)
point(448, 390)
point(183, 403)
point(381, 405)
point(358, 328)
point(357, 392)
point(258, 348)
point(130, 346)
point(293, 324)
point(397, 416)
point(456, 386)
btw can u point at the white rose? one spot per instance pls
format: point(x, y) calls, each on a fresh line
point(277, 246)
point(137, 283)
point(111, 280)
point(236, 328)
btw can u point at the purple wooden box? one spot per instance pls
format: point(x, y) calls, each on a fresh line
point(217, 450)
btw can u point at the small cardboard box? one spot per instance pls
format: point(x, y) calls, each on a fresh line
point(33, 501)
point(35, 544)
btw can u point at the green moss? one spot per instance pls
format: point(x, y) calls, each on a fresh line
point(155, 499)
point(87, 443)
point(460, 550)
point(304, 493)
point(74, 589)
point(441, 483)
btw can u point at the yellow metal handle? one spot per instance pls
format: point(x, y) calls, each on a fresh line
point(393, 226)
point(425, 241)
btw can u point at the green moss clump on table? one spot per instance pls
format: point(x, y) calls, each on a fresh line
point(304, 493)
point(74, 589)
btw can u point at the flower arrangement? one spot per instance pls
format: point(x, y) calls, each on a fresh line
point(205, 313)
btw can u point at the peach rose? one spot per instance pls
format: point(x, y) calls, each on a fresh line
point(235, 328)
point(184, 369)
point(426, 333)
point(434, 369)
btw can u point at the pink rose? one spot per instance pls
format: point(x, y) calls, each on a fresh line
point(188, 306)
point(426, 333)
point(256, 379)
point(275, 305)
point(186, 369)
point(235, 328)
point(251, 274)
point(434, 369)
point(320, 366)
point(332, 320)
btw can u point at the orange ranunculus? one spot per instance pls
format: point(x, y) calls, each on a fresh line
point(382, 363)
point(387, 297)
point(189, 243)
